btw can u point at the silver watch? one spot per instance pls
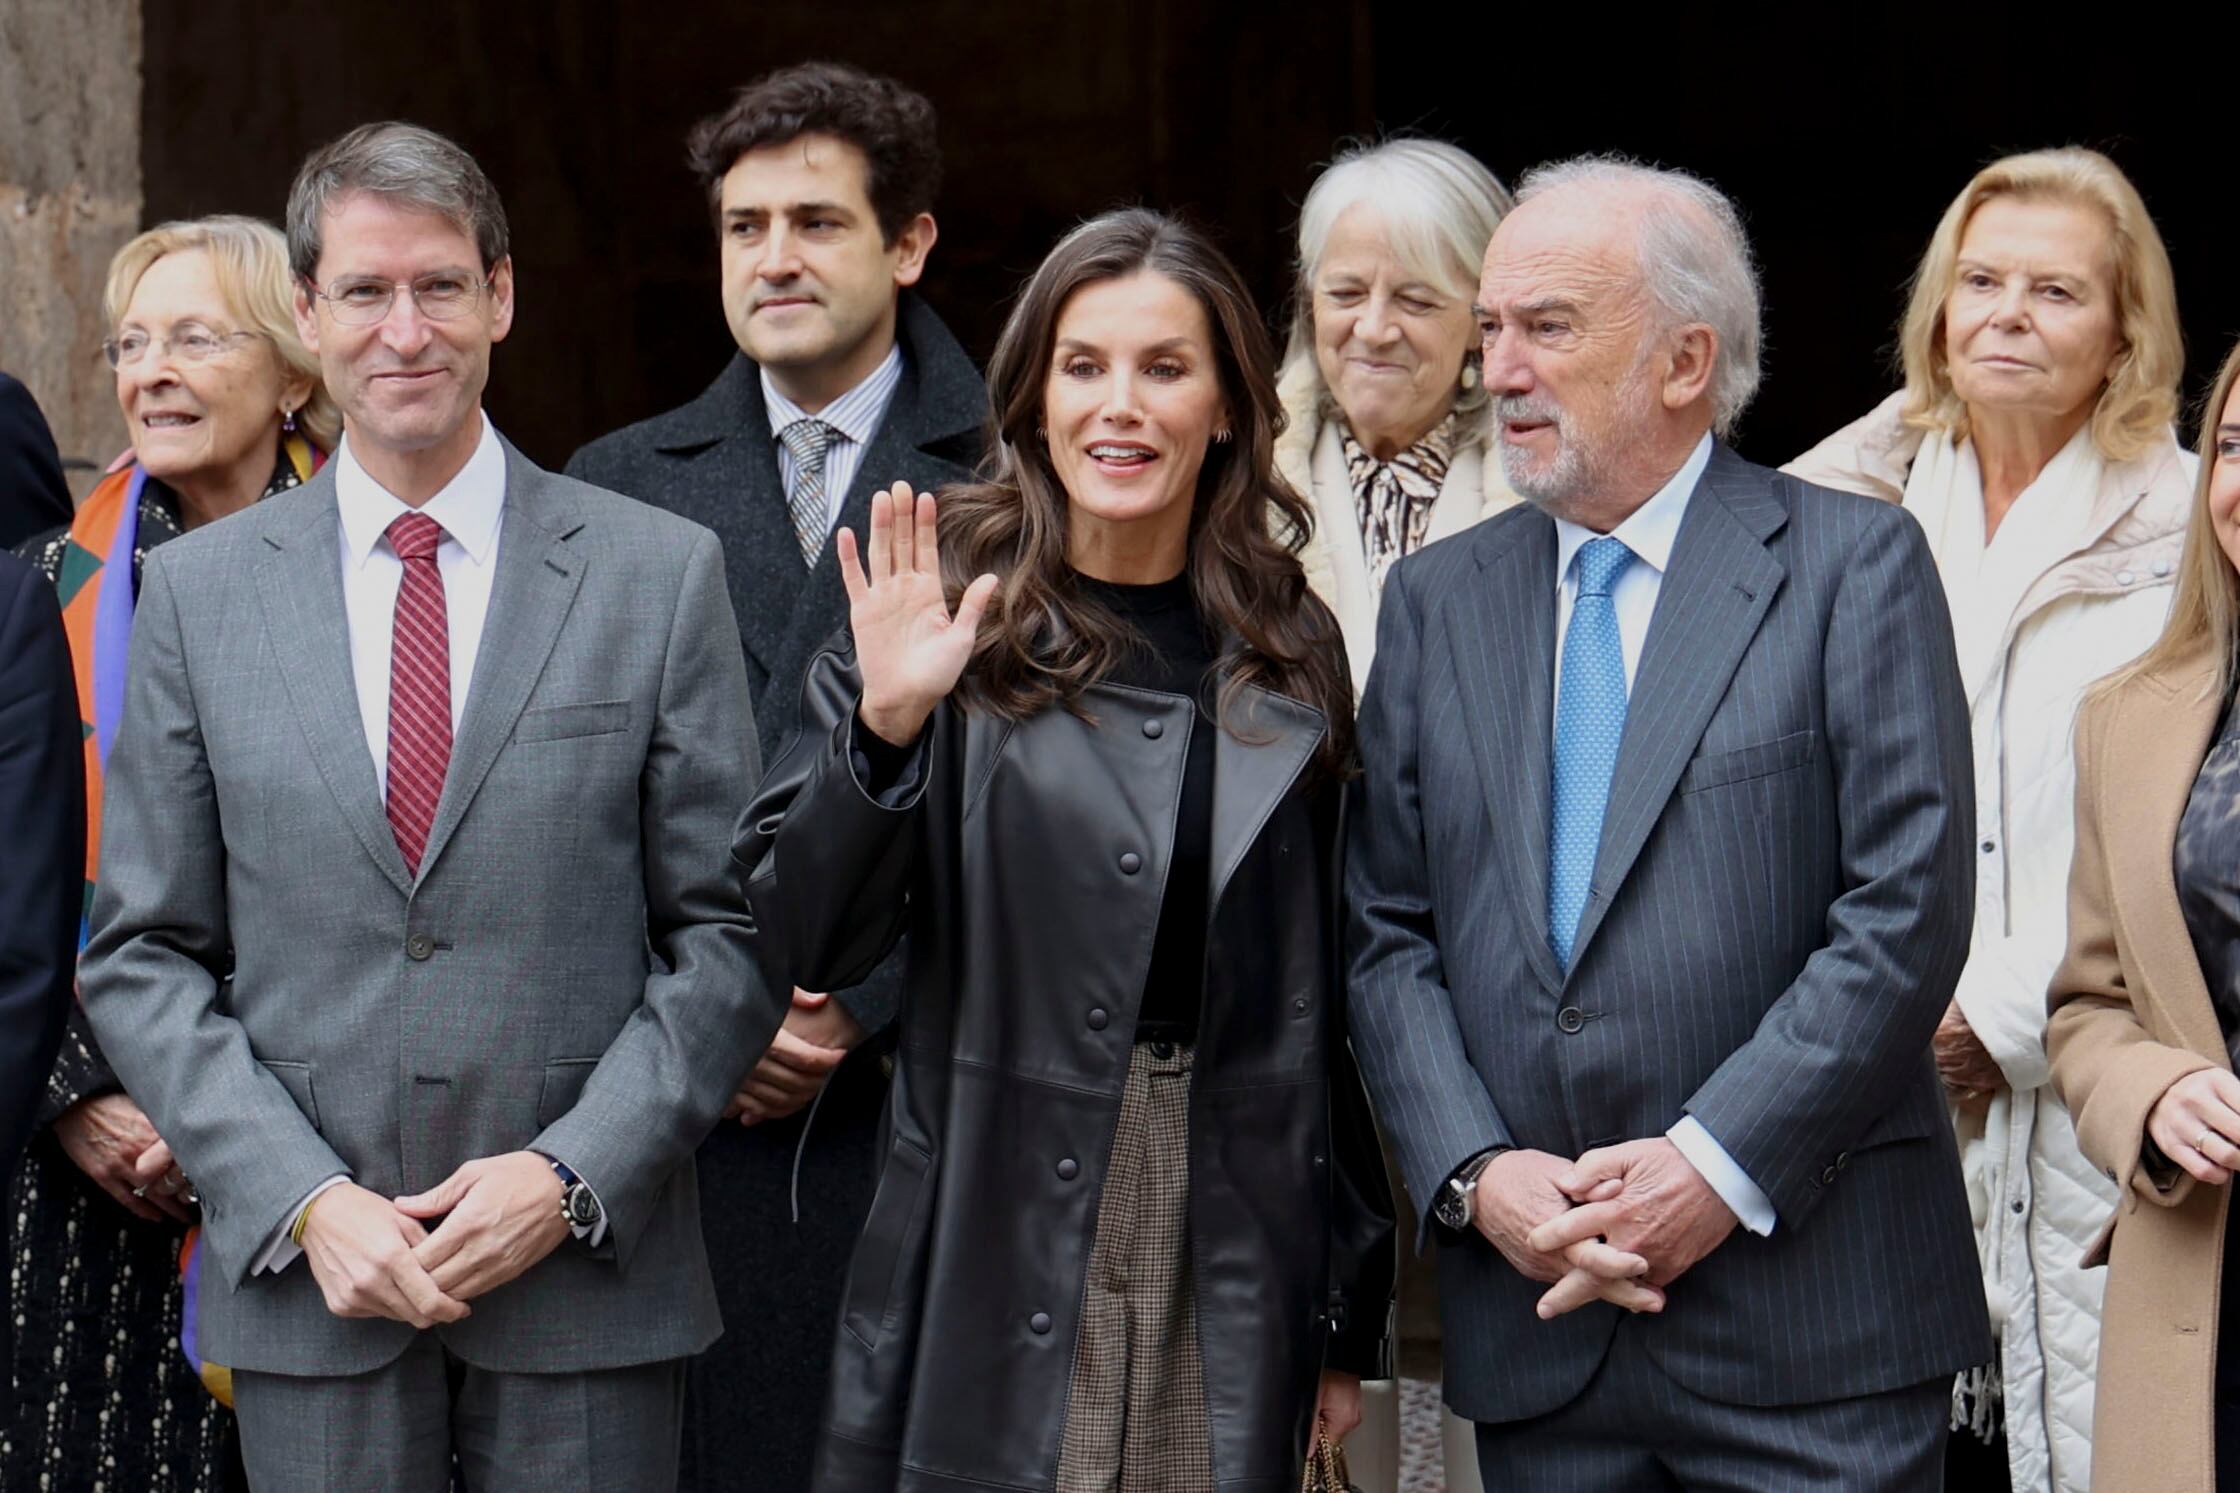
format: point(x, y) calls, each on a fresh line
point(1454, 1206)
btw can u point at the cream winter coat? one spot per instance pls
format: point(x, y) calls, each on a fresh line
point(1310, 455)
point(2095, 586)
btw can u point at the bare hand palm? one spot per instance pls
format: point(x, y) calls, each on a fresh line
point(910, 650)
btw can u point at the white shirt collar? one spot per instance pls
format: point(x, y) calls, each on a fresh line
point(857, 419)
point(1650, 530)
point(468, 507)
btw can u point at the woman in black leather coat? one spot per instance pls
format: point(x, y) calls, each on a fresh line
point(1132, 1230)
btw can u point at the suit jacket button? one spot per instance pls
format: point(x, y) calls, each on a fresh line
point(1828, 1177)
point(1130, 863)
point(1097, 1018)
point(1843, 1161)
point(419, 946)
point(1039, 1323)
point(1154, 728)
point(1570, 1020)
point(1068, 1169)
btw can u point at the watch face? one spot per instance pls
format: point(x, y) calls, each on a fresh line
point(583, 1208)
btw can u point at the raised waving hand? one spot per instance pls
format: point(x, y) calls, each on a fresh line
point(909, 648)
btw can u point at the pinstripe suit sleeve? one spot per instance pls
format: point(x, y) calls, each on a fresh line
point(1852, 1030)
point(1430, 1098)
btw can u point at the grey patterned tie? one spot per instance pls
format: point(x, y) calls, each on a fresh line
point(808, 440)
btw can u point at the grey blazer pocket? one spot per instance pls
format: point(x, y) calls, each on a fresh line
point(1762, 760)
point(557, 722)
point(895, 1219)
point(564, 1079)
point(296, 1079)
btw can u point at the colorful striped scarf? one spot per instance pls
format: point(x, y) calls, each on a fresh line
point(97, 589)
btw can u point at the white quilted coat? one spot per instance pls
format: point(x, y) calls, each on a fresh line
point(2097, 601)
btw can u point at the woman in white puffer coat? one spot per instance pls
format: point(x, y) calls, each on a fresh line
point(2034, 441)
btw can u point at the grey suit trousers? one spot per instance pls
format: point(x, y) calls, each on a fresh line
point(395, 1429)
point(1636, 1429)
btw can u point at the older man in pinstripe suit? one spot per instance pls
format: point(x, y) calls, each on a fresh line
point(1659, 883)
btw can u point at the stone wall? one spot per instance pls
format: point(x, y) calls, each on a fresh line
point(69, 197)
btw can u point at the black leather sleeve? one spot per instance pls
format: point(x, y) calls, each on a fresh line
point(826, 863)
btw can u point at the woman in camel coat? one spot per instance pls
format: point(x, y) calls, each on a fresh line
point(2146, 1008)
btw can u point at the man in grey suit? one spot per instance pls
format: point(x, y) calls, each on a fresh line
point(820, 181)
point(416, 934)
point(1658, 884)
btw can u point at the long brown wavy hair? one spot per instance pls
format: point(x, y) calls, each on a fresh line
point(1044, 640)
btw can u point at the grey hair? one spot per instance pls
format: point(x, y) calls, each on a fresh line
point(1439, 206)
point(405, 164)
point(1695, 262)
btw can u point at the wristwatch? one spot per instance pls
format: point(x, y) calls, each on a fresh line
point(1454, 1205)
point(579, 1205)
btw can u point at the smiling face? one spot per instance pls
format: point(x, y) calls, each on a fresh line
point(2031, 323)
point(407, 384)
point(1566, 329)
point(191, 420)
point(809, 283)
point(2224, 476)
point(1132, 400)
point(1390, 343)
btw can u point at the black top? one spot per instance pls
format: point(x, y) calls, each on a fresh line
point(1178, 659)
point(2204, 861)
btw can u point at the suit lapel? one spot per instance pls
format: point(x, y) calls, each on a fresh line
point(537, 580)
point(1503, 636)
point(299, 586)
point(1715, 593)
point(2168, 724)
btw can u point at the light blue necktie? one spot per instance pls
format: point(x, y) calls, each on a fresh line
point(1590, 722)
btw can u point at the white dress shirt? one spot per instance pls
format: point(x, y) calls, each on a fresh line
point(1650, 531)
point(854, 418)
point(471, 510)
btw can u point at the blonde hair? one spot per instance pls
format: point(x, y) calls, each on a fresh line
point(2205, 612)
point(249, 260)
point(2139, 402)
point(1438, 206)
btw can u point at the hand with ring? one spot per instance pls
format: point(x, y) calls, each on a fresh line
point(2196, 1123)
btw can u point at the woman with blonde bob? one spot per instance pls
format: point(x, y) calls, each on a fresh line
point(1387, 428)
point(2146, 1008)
point(224, 406)
point(2034, 441)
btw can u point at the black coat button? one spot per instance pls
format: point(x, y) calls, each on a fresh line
point(419, 946)
point(1097, 1018)
point(1828, 1177)
point(1068, 1169)
point(1154, 728)
point(1570, 1020)
point(1039, 1323)
point(1299, 1004)
point(1130, 862)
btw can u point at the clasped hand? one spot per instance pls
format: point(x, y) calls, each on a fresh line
point(376, 1258)
point(1620, 1224)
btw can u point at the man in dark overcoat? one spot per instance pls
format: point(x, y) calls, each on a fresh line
point(821, 181)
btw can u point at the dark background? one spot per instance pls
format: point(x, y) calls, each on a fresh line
point(1842, 143)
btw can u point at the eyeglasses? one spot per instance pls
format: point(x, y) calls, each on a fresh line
point(445, 295)
point(188, 343)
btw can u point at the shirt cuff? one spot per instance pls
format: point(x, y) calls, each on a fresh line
point(1729, 1180)
point(279, 1250)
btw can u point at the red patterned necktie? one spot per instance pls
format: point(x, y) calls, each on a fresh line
point(419, 687)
